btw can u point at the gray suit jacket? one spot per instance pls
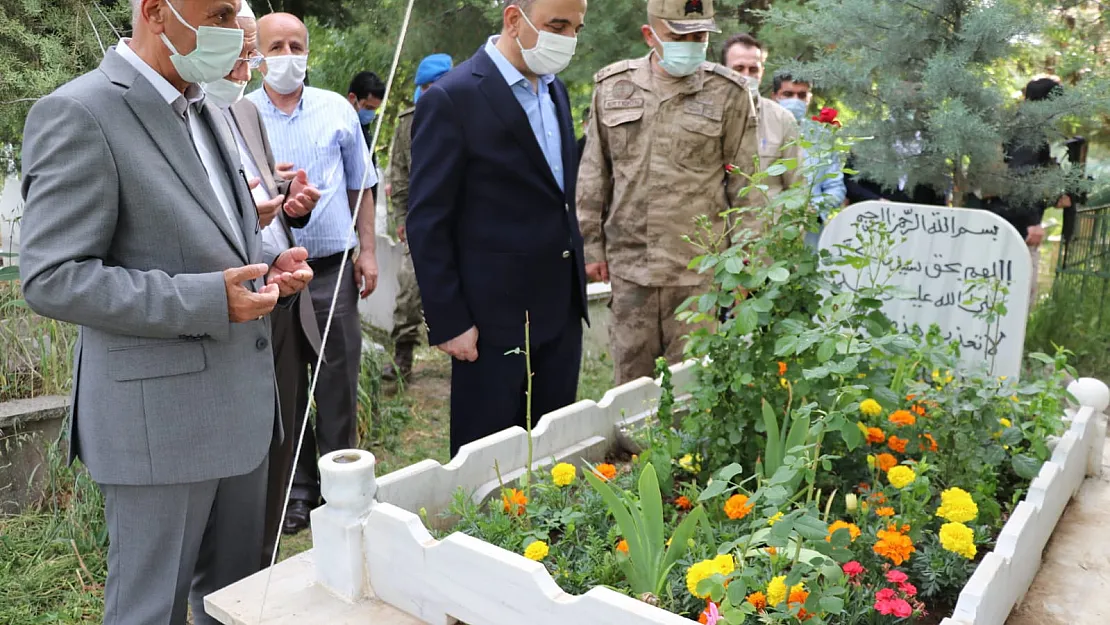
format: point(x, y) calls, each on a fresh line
point(244, 114)
point(122, 235)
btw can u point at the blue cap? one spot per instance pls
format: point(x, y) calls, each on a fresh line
point(432, 68)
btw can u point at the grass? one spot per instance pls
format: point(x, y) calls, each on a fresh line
point(36, 354)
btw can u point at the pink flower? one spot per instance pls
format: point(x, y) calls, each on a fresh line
point(896, 577)
point(902, 608)
point(853, 569)
point(886, 594)
point(908, 589)
point(712, 614)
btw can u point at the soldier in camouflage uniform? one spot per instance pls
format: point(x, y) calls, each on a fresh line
point(662, 130)
point(408, 316)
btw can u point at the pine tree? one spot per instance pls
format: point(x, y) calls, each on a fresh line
point(924, 79)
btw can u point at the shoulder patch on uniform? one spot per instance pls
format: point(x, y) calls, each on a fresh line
point(726, 72)
point(612, 70)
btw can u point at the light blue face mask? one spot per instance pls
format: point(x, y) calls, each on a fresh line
point(366, 117)
point(213, 58)
point(681, 58)
point(796, 107)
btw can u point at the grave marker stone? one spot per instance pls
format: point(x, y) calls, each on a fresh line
point(938, 255)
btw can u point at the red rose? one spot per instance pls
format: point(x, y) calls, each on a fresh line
point(730, 169)
point(828, 116)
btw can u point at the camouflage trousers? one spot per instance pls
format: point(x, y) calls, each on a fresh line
point(643, 327)
point(408, 316)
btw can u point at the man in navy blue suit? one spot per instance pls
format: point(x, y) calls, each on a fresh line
point(492, 225)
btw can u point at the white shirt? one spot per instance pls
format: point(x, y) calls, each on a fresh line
point(273, 234)
point(203, 139)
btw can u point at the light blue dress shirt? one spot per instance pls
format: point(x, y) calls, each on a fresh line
point(537, 105)
point(324, 138)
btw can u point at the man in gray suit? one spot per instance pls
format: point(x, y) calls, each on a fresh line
point(285, 201)
point(139, 226)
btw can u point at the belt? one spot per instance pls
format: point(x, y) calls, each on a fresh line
point(328, 262)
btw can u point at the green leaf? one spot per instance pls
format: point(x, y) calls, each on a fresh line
point(651, 505)
point(841, 538)
point(826, 351)
point(679, 544)
point(777, 169)
point(775, 450)
point(746, 319)
point(762, 305)
point(850, 433)
point(1027, 467)
point(778, 274)
point(737, 591)
point(1012, 436)
point(734, 265)
point(832, 605)
point(730, 472)
point(713, 489)
point(637, 550)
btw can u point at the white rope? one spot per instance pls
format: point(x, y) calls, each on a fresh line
point(95, 31)
point(106, 19)
point(335, 297)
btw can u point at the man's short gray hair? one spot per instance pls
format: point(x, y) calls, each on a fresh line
point(525, 5)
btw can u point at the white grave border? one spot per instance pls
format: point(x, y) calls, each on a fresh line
point(375, 562)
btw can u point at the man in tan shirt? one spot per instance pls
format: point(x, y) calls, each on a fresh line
point(777, 128)
point(663, 129)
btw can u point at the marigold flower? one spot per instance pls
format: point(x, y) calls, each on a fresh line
point(775, 519)
point(771, 551)
point(1006, 423)
point(901, 476)
point(932, 442)
point(875, 436)
point(536, 551)
point(853, 569)
point(918, 410)
point(902, 418)
point(563, 474)
point(776, 590)
point(737, 507)
point(897, 444)
point(514, 501)
point(758, 600)
point(878, 497)
point(782, 368)
point(959, 539)
point(784, 383)
point(605, 471)
point(725, 563)
point(683, 503)
point(894, 545)
point(957, 506)
point(885, 462)
point(690, 463)
point(885, 511)
point(622, 546)
point(853, 530)
point(721, 565)
point(870, 461)
point(870, 408)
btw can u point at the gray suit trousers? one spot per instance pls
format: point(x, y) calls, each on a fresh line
point(173, 544)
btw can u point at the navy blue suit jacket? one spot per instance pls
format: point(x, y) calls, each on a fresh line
point(491, 233)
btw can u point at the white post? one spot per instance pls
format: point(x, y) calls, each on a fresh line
point(348, 486)
point(1092, 393)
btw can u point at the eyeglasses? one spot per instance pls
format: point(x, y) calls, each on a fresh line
point(253, 61)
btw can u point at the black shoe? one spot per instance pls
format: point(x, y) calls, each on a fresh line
point(296, 517)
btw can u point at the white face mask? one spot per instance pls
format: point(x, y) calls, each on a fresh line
point(215, 55)
point(223, 93)
point(285, 74)
point(552, 53)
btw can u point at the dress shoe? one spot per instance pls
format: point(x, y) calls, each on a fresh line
point(296, 517)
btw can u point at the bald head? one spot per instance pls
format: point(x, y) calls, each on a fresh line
point(282, 34)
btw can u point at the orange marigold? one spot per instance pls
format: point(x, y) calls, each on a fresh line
point(885, 462)
point(902, 417)
point(771, 551)
point(798, 596)
point(514, 501)
point(758, 600)
point(894, 545)
point(897, 444)
point(853, 530)
point(918, 410)
point(885, 511)
point(683, 503)
point(878, 497)
point(737, 507)
point(605, 471)
point(876, 436)
point(782, 368)
point(932, 442)
point(622, 546)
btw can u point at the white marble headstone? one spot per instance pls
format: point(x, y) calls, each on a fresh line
point(939, 250)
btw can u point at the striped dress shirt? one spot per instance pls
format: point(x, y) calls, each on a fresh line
point(322, 137)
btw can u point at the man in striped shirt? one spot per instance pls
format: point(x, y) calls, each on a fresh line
point(319, 132)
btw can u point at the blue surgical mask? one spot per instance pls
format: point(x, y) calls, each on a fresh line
point(416, 94)
point(366, 117)
point(681, 58)
point(796, 107)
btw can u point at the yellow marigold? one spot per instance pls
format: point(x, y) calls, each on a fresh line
point(884, 511)
point(737, 507)
point(885, 462)
point(536, 551)
point(783, 382)
point(622, 546)
point(870, 461)
point(853, 530)
point(894, 545)
point(901, 476)
point(902, 417)
point(514, 501)
point(725, 564)
point(862, 428)
point(776, 590)
point(959, 539)
point(605, 471)
point(758, 601)
point(775, 519)
point(870, 408)
point(690, 463)
point(1006, 423)
point(563, 474)
point(698, 572)
point(957, 506)
point(875, 436)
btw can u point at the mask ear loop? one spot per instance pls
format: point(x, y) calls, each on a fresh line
point(335, 298)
